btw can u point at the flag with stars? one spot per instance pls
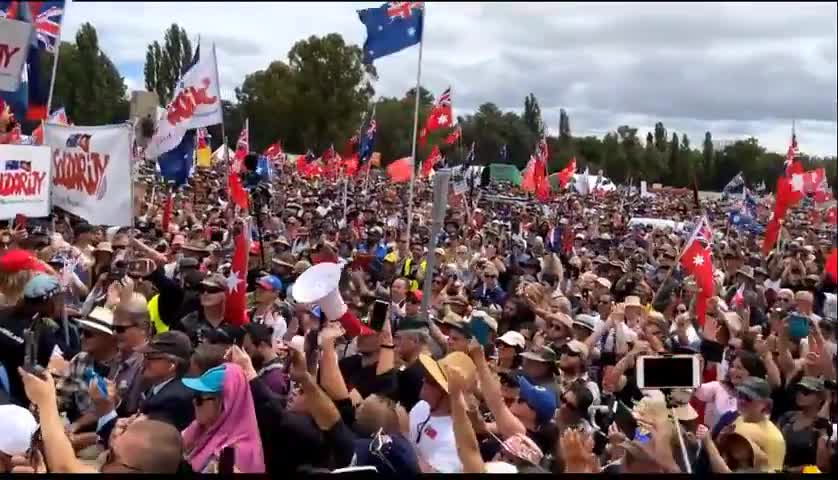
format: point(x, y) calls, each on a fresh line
point(235, 306)
point(695, 260)
point(391, 28)
point(441, 116)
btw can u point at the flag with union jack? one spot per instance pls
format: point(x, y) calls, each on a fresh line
point(45, 15)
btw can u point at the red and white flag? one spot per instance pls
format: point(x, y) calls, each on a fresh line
point(235, 306)
point(696, 261)
point(429, 163)
point(566, 174)
point(236, 191)
point(441, 116)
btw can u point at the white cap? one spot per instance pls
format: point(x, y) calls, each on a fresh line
point(513, 339)
point(18, 427)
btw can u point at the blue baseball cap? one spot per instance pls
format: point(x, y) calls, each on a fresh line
point(41, 286)
point(270, 282)
point(538, 398)
point(212, 381)
point(394, 456)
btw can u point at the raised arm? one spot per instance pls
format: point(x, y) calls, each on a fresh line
point(467, 447)
point(507, 423)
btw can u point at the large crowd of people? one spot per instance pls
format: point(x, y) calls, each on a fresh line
point(118, 354)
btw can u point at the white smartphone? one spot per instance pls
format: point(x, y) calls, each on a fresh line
point(669, 371)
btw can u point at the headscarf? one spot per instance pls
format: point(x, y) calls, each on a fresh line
point(236, 427)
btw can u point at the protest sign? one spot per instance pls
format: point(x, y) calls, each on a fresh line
point(15, 39)
point(92, 172)
point(24, 181)
point(196, 103)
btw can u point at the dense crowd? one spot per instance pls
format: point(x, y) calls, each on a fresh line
point(525, 360)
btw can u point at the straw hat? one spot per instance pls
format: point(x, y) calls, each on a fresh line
point(436, 370)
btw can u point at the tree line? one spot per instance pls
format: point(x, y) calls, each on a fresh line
point(321, 93)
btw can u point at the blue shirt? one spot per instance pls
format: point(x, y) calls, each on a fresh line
point(379, 252)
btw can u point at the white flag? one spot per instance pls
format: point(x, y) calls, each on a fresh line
point(196, 103)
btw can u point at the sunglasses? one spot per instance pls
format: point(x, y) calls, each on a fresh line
point(490, 276)
point(211, 290)
point(201, 399)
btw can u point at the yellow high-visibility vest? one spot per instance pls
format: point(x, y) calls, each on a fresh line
point(154, 313)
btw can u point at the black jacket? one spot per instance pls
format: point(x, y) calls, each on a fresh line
point(172, 404)
point(12, 349)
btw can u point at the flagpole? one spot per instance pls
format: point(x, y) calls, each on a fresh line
point(55, 62)
point(415, 123)
point(220, 102)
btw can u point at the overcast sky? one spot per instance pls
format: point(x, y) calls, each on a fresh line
point(737, 70)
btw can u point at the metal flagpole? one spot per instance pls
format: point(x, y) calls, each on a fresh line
point(369, 160)
point(55, 62)
point(415, 124)
point(217, 82)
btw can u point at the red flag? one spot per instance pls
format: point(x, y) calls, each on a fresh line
point(791, 163)
point(167, 213)
point(399, 170)
point(566, 174)
point(831, 215)
point(542, 183)
point(428, 164)
point(235, 306)
point(441, 116)
point(350, 166)
point(235, 189)
point(695, 260)
point(243, 143)
point(528, 176)
point(274, 151)
point(59, 117)
point(454, 136)
point(831, 266)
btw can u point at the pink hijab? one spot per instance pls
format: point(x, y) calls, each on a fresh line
point(235, 427)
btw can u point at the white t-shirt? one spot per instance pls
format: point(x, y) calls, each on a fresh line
point(436, 443)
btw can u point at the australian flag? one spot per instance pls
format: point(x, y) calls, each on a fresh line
point(392, 27)
point(734, 185)
point(367, 143)
point(744, 216)
point(176, 164)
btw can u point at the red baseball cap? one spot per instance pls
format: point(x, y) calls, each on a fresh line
point(17, 260)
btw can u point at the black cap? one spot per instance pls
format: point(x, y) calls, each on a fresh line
point(172, 343)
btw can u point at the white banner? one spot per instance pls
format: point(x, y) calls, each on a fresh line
point(24, 181)
point(15, 39)
point(196, 103)
point(92, 171)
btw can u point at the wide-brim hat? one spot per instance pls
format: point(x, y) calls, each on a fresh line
point(100, 320)
point(436, 370)
point(747, 271)
point(285, 260)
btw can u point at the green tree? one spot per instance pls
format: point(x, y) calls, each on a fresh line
point(707, 164)
point(330, 89)
point(532, 115)
point(87, 84)
point(660, 137)
point(164, 65)
point(676, 170)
